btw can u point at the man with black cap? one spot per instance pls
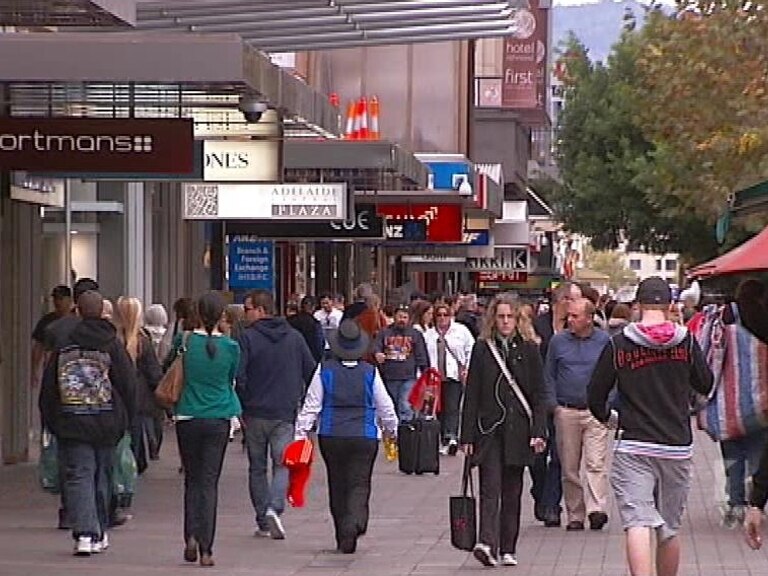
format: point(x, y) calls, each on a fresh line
point(349, 398)
point(655, 364)
point(61, 297)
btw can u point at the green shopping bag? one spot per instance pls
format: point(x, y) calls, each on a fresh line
point(48, 465)
point(124, 471)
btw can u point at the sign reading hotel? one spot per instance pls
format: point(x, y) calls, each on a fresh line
point(108, 145)
point(525, 60)
point(291, 202)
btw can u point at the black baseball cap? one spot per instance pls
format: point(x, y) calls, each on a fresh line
point(85, 285)
point(654, 290)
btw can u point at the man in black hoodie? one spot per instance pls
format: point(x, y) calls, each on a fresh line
point(276, 366)
point(87, 401)
point(309, 327)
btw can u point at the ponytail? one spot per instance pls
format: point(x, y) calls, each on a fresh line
point(210, 343)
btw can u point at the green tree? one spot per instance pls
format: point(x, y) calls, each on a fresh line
point(611, 263)
point(607, 162)
point(703, 85)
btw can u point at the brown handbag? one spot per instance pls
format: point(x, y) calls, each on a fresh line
point(168, 391)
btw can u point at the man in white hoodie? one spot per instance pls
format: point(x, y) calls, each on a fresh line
point(449, 345)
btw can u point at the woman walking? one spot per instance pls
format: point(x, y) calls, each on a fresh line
point(148, 374)
point(203, 413)
point(349, 398)
point(503, 423)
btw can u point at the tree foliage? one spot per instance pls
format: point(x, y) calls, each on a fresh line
point(612, 264)
point(703, 85)
point(605, 160)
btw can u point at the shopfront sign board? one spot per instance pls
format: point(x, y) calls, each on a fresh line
point(444, 221)
point(251, 263)
point(287, 202)
point(241, 160)
point(106, 145)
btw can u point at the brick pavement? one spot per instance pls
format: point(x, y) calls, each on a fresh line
point(407, 534)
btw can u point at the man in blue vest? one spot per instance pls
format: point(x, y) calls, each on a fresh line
point(349, 397)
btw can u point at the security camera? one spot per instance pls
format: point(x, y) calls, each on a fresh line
point(252, 108)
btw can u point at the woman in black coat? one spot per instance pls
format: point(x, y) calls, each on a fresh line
point(503, 424)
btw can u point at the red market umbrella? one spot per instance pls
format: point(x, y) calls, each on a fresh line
point(751, 256)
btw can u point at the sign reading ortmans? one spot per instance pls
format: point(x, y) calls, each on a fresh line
point(97, 145)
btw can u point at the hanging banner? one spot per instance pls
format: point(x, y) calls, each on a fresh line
point(524, 80)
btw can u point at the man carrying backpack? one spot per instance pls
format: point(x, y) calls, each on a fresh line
point(87, 401)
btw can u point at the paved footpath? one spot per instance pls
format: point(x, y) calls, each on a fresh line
point(407, 535)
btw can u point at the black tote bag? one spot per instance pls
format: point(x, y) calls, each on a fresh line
point(463, 513)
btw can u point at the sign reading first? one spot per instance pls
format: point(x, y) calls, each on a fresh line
point(77, 145)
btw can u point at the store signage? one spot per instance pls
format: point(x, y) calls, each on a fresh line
point(406, 230)
point(523, 85)
point(504, 260)
point(516, 277)
point(71, 145)
point(241, 160)
point(251, 263)
point(448, 175)
point(432, 259)
point(363, 224)
point(477, 237)
point(444, 222)
point(294, 202)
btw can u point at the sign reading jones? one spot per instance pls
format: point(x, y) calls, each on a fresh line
point(243, 160)
point(97, 145)
point(265, 201)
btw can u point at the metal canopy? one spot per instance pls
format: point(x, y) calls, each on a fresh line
point(152, 75)
point(302, 25)
point(364, 165)
point(33, 13)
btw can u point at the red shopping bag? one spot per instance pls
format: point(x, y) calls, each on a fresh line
point(425, 396)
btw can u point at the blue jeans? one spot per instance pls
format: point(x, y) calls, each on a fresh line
point(87, 483)
point(741, 458)
point(399, 390)
point(267, 439)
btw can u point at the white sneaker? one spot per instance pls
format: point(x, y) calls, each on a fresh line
point(100, 545)
point(259, 533)
point(83, 546)
point(508, 560)
point(444, 450)
point(483, 554)
point(276, 529)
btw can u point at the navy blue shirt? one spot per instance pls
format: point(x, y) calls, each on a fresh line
point(569, 365)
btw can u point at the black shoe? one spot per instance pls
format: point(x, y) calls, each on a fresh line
point(597, 520)
point(552, 519)
point(540, 512)
point(118, 518)
point(575, 526)
point(348, 545)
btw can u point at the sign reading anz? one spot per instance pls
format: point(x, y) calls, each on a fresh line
point(72, 145)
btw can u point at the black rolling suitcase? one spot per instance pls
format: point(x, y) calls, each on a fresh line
point(418, 445)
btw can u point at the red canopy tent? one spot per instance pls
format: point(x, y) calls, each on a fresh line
point(749, 257)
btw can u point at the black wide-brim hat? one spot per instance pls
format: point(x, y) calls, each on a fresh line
point(349, 342)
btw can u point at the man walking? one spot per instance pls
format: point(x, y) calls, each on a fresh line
point(571, 357)
point(655, 364)
point(309, 327)
point(276, 366)
point(87, 401)
point(546, 484)
point(401, 353)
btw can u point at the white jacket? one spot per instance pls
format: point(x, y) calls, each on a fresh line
point(460, 341)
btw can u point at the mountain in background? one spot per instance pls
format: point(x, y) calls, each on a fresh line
point(598, 26)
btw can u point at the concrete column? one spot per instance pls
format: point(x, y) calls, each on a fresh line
point(138, 244)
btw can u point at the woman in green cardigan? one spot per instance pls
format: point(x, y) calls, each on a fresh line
point(203, 412)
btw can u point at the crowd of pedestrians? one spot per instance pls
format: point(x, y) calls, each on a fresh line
point(585, 392)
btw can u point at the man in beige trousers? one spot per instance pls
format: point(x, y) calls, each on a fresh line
point(571, 358)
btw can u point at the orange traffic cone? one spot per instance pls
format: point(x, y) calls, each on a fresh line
point(362, 113)
point(375, 134)
point(350, 126)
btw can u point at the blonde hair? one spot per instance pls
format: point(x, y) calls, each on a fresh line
point(523, 323)
point(129, 312)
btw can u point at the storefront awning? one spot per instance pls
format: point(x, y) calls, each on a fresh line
point(302, 25)
point(752, 200)
point(367, 166)
point(751, 256)
point(33, 13)
point(150, 75)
